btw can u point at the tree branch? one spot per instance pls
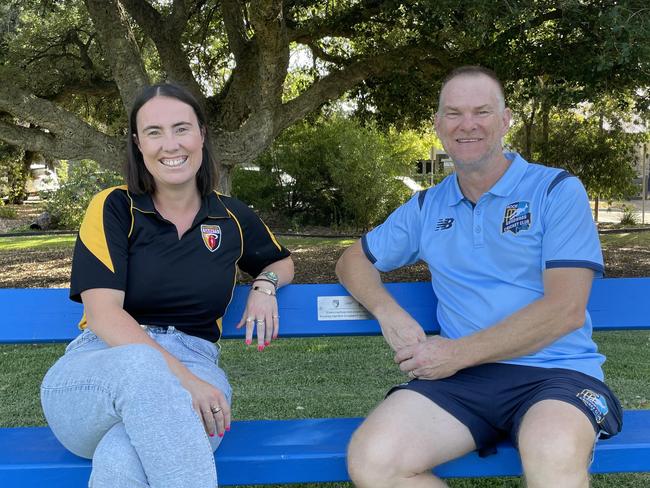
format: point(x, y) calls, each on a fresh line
point(339, 25)
point(338, 82)
point(120, 49)
point(272, 48)
point(67, 135)
point(166, 34)
point(320, 53)
point(233, 20)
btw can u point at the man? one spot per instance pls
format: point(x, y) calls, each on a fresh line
point(512, 251)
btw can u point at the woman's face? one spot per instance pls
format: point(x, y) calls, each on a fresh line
point(171, 142)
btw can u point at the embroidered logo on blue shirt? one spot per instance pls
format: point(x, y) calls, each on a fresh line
point(444, 224)
point(596, 403)
point(516, 217)
point(211, 236)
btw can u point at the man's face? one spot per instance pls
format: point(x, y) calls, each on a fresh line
point(470, 121)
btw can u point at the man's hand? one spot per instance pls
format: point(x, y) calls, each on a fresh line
point(433, 359)
point(400, 330)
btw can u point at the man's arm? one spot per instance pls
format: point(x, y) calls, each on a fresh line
point(363, 281)
point(560, 311)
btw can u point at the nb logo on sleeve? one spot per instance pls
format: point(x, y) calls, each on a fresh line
point(444, 224)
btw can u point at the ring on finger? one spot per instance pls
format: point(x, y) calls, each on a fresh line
point(250, 319)
point(412, 375)
point(260, 321)
point(276, 316)
point(215, 409)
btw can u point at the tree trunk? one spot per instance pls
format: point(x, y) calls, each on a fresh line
point(18, 176)
point(529, 124)
point(545, 109)
point(224, 178)
point(596, 202)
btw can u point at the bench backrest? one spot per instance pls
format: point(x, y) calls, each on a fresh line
point(33, 315)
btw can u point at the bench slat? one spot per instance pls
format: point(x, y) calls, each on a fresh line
point(35, 315)
point(306, 450)
point(294, 451)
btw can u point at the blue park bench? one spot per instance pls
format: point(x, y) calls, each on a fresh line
point(305, 450)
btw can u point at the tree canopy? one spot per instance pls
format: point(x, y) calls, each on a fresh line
point(70, 68)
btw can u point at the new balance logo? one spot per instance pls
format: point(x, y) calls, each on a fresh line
point(444, 224)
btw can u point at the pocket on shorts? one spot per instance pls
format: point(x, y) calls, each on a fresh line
point(86, 337)
point(203, 348)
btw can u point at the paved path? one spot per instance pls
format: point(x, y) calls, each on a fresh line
point(615, 213)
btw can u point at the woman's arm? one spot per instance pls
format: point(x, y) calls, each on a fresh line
point(107, 318)
point(261, 311)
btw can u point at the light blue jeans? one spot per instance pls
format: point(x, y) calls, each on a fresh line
point(124, 408)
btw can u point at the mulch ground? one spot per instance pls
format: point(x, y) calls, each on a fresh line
point(314, 264)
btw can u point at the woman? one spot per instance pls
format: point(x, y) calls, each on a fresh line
point(140, 390)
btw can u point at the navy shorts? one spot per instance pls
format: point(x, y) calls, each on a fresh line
point(492, 399)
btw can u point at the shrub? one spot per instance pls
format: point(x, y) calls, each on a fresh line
point(14, 172)
point(629, 216)
point(85, 178)
point(333, 172)
point(7, 212)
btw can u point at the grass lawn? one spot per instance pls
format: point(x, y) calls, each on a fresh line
point(641, 239)
point(37, 242)
point(63, 241)
point(321, 377)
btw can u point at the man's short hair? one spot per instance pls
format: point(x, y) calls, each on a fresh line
point(475, 70)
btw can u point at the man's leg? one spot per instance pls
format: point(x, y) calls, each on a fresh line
point(556, 440)
point(402, 439)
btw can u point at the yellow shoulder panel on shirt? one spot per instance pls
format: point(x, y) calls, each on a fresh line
point(92, 233)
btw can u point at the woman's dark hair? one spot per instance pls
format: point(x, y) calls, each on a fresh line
point(138, 178)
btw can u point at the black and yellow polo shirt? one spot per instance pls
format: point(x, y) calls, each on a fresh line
point(125, 244)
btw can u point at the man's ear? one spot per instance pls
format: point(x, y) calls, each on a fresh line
point(507, 118)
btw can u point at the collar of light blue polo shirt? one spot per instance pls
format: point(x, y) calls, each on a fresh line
point(503, 187)
point(211, 206)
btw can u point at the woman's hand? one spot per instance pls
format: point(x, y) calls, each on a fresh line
point(210, 403)
point(261, 315)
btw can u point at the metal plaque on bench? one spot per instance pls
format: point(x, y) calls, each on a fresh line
point(341, 308)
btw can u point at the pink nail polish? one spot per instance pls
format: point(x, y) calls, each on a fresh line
point(227, 429)
point(248, 342)
point(267, 343)
point(211, 435)
point(220, 435)
point(260, 348)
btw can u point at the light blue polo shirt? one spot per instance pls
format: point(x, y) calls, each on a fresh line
point(487, 261)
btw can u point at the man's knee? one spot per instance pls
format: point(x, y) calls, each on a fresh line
point(557, 448)
point(556, 443)
point(371, 459)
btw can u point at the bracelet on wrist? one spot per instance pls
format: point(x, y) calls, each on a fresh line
point(267, 281)
point(269, 276)
point(266, 291)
